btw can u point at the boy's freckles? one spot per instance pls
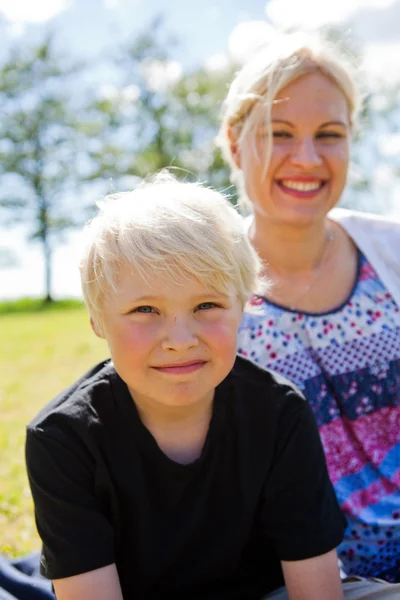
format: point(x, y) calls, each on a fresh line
point(171, 343)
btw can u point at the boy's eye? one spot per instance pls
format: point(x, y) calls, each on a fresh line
point(206, 305)
point(144, 309)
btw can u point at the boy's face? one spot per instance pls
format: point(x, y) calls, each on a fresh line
point(171, 344)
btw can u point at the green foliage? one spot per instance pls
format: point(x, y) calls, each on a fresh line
point(38, 143)
point(156, 117)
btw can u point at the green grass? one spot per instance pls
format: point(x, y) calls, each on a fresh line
point(41, 352)
point(34, 305)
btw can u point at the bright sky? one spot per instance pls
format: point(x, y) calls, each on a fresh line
point(207, 36)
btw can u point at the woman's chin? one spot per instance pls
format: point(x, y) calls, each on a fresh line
point(294, 216)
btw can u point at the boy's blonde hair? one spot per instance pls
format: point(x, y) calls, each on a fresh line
point(170, 230)
point(289, 57)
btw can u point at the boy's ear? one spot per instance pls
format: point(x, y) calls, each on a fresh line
point(234, 146)
point(96, 329)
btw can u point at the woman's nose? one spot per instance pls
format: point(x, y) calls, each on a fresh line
point(306, 153)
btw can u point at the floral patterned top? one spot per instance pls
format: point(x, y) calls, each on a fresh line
point(347, 363)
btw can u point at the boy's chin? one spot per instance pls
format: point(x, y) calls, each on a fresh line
point(187, 400)
point(185, 397)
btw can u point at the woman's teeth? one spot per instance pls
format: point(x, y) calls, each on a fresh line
point(301, 186)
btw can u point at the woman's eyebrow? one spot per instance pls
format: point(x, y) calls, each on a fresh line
point(282, 121)
point(328, 123)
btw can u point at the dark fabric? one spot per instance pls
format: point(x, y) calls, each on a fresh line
point(104, 492)
point(391, 575)
point(20, 579)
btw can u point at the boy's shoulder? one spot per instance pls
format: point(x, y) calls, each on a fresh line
point(255, 378)
point(263, 393)
point(79, 400)
point(266, 405)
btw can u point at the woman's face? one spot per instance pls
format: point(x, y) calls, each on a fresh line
point(310, 152)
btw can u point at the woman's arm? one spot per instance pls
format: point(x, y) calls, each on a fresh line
point(100, 584)
point(313, 578)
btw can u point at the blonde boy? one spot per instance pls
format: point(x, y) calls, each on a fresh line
point(176, 469)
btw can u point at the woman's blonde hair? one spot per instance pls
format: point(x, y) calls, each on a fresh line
point(169, 230)
point(267, 72)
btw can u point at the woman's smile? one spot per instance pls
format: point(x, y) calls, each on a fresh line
point(302, 187)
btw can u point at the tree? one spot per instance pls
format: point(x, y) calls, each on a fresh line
point(38, 144)
point(375, 165)
point(200, 94)
point(375, 168)
point(130, 119)
point(155, 115)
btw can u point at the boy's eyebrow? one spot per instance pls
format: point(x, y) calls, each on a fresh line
point(143, 298)
point(204, 294)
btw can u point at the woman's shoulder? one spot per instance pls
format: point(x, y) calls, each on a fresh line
point(378, 238)
point(354, 218)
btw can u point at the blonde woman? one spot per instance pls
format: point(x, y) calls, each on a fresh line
point(330, 321)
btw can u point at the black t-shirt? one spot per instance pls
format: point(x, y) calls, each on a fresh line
point(104, 491)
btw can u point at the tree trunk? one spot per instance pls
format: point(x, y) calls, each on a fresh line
point(48, 268)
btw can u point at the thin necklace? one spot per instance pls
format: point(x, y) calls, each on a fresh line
point(317, 271)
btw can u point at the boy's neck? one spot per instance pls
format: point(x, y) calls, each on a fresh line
point(180, 431)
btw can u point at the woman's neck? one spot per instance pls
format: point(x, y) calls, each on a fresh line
point(287, 249)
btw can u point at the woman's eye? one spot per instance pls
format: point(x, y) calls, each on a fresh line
point(329, 134)
point(144, 309)
point(282, 134)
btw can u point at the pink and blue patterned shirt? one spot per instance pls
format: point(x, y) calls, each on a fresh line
point(347, 363)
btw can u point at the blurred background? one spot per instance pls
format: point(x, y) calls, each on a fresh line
point(95, 94)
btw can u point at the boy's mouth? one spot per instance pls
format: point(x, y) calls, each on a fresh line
point(180, 368)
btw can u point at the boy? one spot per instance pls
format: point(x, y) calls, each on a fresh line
point(177, 469)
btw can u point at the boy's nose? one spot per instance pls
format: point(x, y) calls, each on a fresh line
point(179, 336)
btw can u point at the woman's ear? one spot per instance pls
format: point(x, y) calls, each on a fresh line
point(96, 329)
point(234, 146)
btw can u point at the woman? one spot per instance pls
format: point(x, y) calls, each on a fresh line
point(330, 322)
